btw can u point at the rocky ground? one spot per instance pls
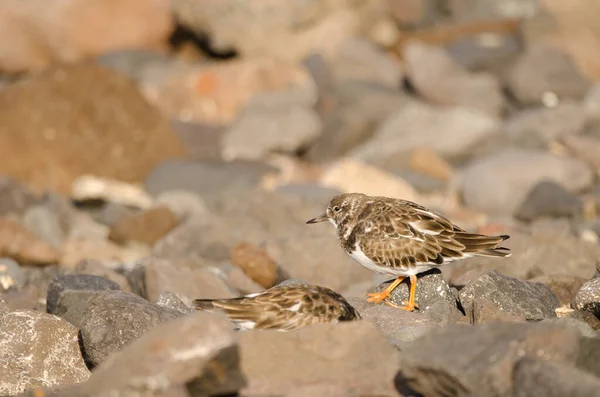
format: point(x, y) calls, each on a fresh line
point(153, 153)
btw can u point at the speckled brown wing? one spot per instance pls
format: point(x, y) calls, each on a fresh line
point(402, 234)
point(283, 308)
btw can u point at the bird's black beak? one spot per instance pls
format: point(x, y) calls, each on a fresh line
point(318, 219)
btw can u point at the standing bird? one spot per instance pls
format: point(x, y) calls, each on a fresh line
point(283, 308)
point(402, 239)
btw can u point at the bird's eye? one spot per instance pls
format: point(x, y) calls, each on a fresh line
point(337, 209)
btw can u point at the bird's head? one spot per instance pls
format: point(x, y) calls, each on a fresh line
point(341, 208)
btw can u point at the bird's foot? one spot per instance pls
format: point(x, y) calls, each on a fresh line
point(377, 297)
point(405, 306)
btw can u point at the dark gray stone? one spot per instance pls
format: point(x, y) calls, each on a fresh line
point(549, 199)
point(533, 301)
point(113, 319)
point(81, 282)
point(588, 297)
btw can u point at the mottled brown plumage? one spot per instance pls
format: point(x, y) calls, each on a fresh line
point(283, 308)
point(401, 238)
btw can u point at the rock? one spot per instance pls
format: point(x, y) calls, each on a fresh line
point(587, 318)
point(15, 197)
point(543, 69)
point(147, 226)
point(275, 362)
point(75, 282)
point(349, 175)
point(196, 352)
point(92, 188)
point(113, 319)
point(537, 127)
point(585, 148)
point(312, 27)
point(426, 161)
point(359, 59)
point(38, 350)
point(474, 10)
point(534, 301)
point(256, 263)
point(69, 100)
point(485, 310)
point(214, 93)
point(354, 111)
point(75, 250)
point(588, 297)
point(535, 377)
point(171, 301)
point(242, 282)
point(153, 277)
point(442, 81)
point(210, 180)
point(412, 13)
point(271, 127)
point(23, 246)
point(44, 224)
point(516, 172)
point(98, 268)
point(398, 326)
point(11, 275)
point(564, 286)
point(75, 30)
point(549, 199)
point(478, 360)
point(450, 132)
point(183, 203)
point(431, 289)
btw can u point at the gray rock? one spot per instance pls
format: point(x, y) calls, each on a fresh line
point(537, 127)
point(107, 212)
point(38, 350)
point(265, 128)
point(45, 224)
point(588, 297)
point(435, 299)
point(565, 287)
point(275, 362)
point(543, 69)
point(183, 203)
point(98, 268)
point(15, 197)
point(359, 59)
point(72, 305)
point(533, 301)
point(549, 199)
point(11, 274)
point(196, 352)
point(469, 10)
point(358, 109)
point(515, 172)
point(442, 81)
point(538, 377)
point(171, 301)
point(450, 132)
point(478, 360)
point(113, 319)
point(475, 54)
point(210, 180)
point(83, 282)
point(397, 325)
point(153, 277)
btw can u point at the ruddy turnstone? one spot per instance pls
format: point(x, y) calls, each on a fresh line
point(283, 308)
point(402, 239)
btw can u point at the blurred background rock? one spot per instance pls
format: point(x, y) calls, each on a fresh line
point(178, 146)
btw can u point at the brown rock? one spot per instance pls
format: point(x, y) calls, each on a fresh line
point(38, 349)
point(353, 354)
point(256, 263)
point(80, 119)
point(74, 250)
point(565, 287)
point(428, 162)
point(214, 93)
point(42, 33)
point(147, 226)
point(20, 244)
point(154, 277)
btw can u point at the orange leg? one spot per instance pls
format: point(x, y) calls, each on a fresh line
point(377, 297)
point(411, 305)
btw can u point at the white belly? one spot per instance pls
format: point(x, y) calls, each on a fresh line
point(359, 256)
